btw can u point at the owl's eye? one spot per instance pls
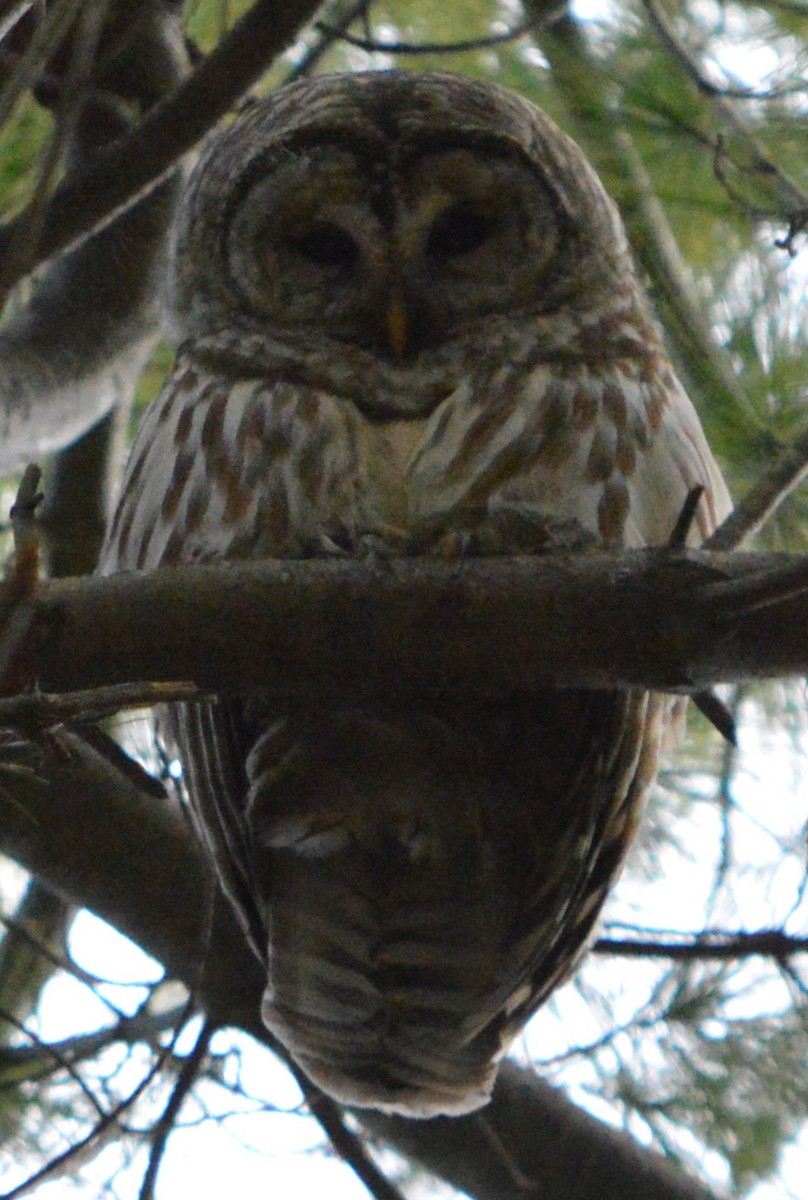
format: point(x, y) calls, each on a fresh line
point(327, 245)
point(459, 230)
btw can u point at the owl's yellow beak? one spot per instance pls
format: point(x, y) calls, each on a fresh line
point(398, 327)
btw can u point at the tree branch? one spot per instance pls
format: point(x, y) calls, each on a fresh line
point(76, 351)
point(770, 943)
point(124, 170)
point(531, 1143)
point(648, 618)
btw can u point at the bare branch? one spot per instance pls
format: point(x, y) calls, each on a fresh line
point(793, 199)
point(347, 1144)
point(106, 1127)
point(453, 47)
point(692, 70)
point(770, 943)
point(126, 170)
point(506, 1151)
point(22, 1062)
point(328, 34)
point(769, 491)
point(165, 1125)
point(647, 618)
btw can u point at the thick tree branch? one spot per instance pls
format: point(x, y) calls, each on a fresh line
point(531, 1143)
point(670, 622)
point(77, 349)
point(115, 175)
point(91, 836)
point(98, 841)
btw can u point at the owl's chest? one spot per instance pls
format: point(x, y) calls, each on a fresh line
point(275, 468)
point(387, 485)
point(329, 473)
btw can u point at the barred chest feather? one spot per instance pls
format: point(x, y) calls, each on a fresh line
point(259, 467)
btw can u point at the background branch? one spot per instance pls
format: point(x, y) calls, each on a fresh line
point(76, 349)
point(122, 171)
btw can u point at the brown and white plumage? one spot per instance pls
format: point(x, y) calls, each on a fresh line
point(406, 304)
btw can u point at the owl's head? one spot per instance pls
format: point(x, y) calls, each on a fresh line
point(399, 224)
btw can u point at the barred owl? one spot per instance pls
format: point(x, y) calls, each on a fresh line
point(407, 312)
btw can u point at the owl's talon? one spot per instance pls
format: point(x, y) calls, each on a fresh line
point(328, 547)
point(511, 529)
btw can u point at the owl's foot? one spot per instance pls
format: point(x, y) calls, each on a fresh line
point(510, 529)
point(379, 544)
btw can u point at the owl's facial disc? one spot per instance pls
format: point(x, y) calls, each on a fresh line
point(394, 253)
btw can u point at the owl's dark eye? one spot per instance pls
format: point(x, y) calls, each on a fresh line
point(327, 245)
point(458, 230)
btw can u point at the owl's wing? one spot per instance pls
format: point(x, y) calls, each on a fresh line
point(611, 450)
point(213, 475)
point(673, 458)
point(208, 739)
point(227, 468)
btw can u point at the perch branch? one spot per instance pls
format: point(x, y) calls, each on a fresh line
point(650, 618)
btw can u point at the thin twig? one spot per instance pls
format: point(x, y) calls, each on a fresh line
point(453, 47)
point(678, 50)
point(21, 584)
point(23, 512)
point(762, 590)
point(792, 197)
point(92, 704)
point(60, 1059)
point(329, 33)
point(103, 1129)
point(770, 943)
point(165, 1125)
point(766, 495)
point(62, 963)
point(21, 1061)
point(711, 706)
point(684, 522)
point(348, 1145)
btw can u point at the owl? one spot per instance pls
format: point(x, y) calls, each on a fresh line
point(408, 319)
